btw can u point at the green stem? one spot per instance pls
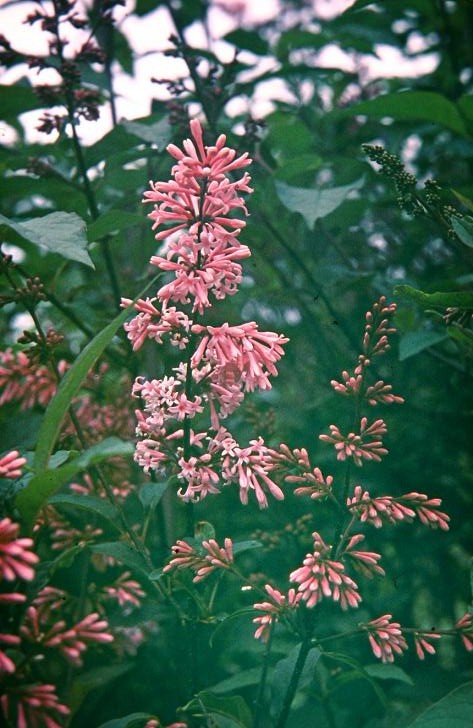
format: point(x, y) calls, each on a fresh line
point(294, 682)
point(264, 677)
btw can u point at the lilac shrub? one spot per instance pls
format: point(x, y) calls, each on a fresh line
point(198, 217)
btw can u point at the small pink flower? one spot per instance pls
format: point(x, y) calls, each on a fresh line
point(381, 392)
point(16, 557)
point(321, 577)
point(316, 485)
point(200, 477)
point(365, 445)
point(34, 705)
point(386, 638)
point(250, 467)
point(7, 664)
point(464, 627)
point(377, 329)
point(351, 383)
point(366, 562)
point(25, 381)
point(387, 509)
point(185, 557)
point(70, 642)
point(427, 510)
point(12, 598)
point(216, 558)
point(273, 610)
point(48, 601)
point(422, 641)
point(11, 465)
point(125, 590)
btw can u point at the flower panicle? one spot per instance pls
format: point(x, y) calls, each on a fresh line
point(185, 556)
point(375, 342)
point(321, 577)
point(386, 638)
point(366, 444)
point(393, 510)
point(273, 609)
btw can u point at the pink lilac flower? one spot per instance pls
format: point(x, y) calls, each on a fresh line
point(186, 557)
point(198, 204)
point(11, 465)
point(150, 323)
point(254, 353)
point(49, 600)
point(273, 609)
point(386, 638)
point(12, 598)
point(201, 269)
point(25, 381)
point(422, 642)
point(35, 706)
point(7, 664)
point(427, 510)
point(381, 392)
point(70, 642)
point(218, 557)
point(313, 482)
point(125, 590)
point(199, 476)
point(321, 577)
point(464, 627)
point(250, 467)
point(389, 509)
point(366, 445)
point(16, 557)
point(377, 329)
point(200, 196)
point(366, 562)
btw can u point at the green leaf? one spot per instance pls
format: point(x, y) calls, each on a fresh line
point(284, 671)
point(244, 612)
point(241, 546)
point(387, 672)
point(70, 385)
point(462, 336)
point(455, 710)
point(413, 342)
point(230, 712)
point(463, 227)
point(95, 678)
point(92, 504)
point(46, 483)
point(111, 222)
point(16, 99)
point(204, 531)
point(122, 50)
point(411, 106)
point(315, 203)
point(464, 200)
point(122, 553)
point(248, 40)
point(151, 493)
point(357, 6)
point(63, 233)
point(454, 299)
point(241, 680)
point(133, 720)
point(159, 133)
